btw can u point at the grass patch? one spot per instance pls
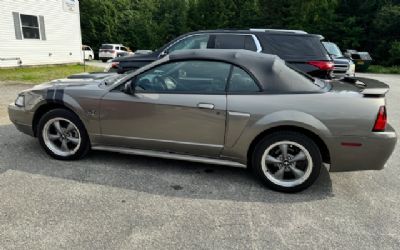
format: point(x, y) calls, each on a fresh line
point(40, 74)
point(383, 70)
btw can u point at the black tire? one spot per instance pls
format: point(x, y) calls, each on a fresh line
point(84, 146)
point(104, 60)
point(90, 58)
point(280, 136)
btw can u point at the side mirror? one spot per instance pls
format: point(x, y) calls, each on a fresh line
point(164, 53)
point(129, 87)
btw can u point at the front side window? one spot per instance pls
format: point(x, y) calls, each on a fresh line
point(30, 27)
point(191, 42)
point(242, 82)
point(185, 77)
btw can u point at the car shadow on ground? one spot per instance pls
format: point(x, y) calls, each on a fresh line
point(173, 178)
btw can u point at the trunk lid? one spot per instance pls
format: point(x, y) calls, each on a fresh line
point(365, 86)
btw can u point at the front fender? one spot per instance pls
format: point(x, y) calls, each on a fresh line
point(45, 101)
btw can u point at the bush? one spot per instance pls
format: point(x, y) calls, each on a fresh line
point(383, 70)
point(394, 53)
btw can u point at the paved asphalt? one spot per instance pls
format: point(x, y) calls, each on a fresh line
point(113, 201)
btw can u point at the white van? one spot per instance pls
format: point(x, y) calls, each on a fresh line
point(87, 53)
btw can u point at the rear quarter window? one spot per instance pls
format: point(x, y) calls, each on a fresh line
point(294, 47)
point(295, 80)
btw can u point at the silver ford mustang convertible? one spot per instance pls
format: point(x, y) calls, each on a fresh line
point(216, 106)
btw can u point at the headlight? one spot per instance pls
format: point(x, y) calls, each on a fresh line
point(20, 101)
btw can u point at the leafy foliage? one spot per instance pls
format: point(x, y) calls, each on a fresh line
point(365, 25)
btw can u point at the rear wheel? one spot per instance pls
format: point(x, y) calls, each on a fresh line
point(287, 161)
point(104, 60)
point(62, 135)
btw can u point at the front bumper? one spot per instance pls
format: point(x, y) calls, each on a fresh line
point(373, 153)
point(21, 118)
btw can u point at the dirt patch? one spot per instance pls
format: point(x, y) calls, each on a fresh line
point(8, 93)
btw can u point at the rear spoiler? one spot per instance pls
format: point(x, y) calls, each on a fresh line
point(369, 87)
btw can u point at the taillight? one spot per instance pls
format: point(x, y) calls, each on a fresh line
point(114, 65)
point(322, 65)
point(381, 120)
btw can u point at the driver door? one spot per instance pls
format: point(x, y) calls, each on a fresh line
point(177, 107)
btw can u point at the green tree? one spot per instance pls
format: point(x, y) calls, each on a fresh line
point(171, 19)
point(367, 25)
point(386, 29)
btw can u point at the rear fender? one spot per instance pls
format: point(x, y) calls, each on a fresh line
point(287, 118)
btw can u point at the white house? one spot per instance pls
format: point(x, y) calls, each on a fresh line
point(36, 32)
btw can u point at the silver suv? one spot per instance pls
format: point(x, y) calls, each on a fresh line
point(111, 51)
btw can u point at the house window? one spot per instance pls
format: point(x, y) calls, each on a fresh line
point(30, 26)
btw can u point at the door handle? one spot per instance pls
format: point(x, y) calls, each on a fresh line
point(205, 106)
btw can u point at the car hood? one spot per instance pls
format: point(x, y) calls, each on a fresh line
point(70, 83)
point(93, 75)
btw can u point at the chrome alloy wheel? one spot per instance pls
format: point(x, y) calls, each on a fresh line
point(61, 136)
point(287, 163)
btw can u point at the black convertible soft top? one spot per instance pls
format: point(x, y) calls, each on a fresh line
point(272, 73)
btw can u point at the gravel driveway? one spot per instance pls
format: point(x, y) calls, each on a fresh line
point(113, 201)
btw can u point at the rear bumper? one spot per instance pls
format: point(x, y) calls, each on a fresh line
point(104, 55)
point(106, 58)
point(21, 118)
point(373, 153)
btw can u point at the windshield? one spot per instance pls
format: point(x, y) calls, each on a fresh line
point(333, 49)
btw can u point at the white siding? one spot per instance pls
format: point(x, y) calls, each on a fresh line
point(63, 33)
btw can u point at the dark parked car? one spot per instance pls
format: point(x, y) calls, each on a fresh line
point(361, 59)
point(344, 66)
point(302, 50)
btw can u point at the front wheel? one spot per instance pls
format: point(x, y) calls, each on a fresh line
point(287, 161)
point(62, 135)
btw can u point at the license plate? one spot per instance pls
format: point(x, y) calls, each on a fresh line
point(360, 62)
